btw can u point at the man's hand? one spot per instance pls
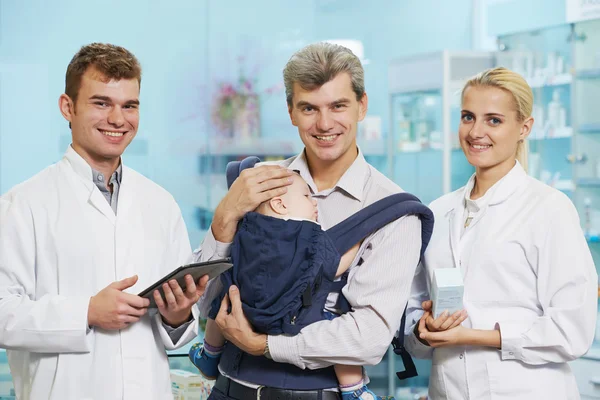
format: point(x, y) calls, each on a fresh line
point(177, 308)
point(253, 187)
point(235, 326)
point(114, 309)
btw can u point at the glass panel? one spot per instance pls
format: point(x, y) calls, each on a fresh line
point(544, 59)
point(417, 141)
point(586, 154)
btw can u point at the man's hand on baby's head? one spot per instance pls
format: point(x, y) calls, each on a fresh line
point(251, 188)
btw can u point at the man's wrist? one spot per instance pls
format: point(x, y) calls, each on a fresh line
point(223, 226)
point(267, 351)
point(176, 323)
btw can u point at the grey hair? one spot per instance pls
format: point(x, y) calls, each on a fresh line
point(318, 63)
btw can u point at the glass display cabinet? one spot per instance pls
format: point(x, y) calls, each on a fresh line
point(425, 156)
point(562, 65)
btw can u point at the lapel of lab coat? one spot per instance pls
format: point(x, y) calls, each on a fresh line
point(503, 189)
point(90, 193)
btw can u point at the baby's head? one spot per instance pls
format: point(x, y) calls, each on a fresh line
point(296, 203)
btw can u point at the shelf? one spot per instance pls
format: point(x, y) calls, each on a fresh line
point(589, 182)
point(593, 73)
point(552, 134)
point(556, 80)
point(565, 185)
point(373, 148)
point(252, 147)
point(589, 128)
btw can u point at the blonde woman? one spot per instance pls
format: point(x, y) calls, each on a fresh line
point(530, 285)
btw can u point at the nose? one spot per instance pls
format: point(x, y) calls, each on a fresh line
point(115, 117)
point(325, 122)
point(314, 201)
point(477, 130)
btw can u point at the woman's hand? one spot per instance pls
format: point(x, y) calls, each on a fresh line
point(455, 336)
point(444, 321)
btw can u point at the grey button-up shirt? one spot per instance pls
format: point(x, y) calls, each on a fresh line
point(115, 181)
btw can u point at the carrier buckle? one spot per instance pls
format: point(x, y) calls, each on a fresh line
point(258, 392)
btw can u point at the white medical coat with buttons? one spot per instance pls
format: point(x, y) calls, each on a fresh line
point(528, 271)
point(60, 243)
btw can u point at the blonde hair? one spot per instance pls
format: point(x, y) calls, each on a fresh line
point(520, 90)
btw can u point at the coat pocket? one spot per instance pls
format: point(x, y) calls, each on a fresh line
point(513, 380)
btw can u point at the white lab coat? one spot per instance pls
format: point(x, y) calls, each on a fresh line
point(60, 243)
point(529, 272)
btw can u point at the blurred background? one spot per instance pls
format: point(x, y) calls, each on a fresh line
point(212, 92)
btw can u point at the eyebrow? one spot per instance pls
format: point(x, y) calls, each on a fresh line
point(303, 103)
point(487, 115)
point(109, 100)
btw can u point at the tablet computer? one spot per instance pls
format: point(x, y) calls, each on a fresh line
point(197, 270)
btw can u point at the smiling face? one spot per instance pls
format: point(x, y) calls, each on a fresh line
point(490, 129)
point(105, 118)
point(327, 119)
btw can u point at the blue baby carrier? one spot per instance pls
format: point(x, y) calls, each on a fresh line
point(285, 270)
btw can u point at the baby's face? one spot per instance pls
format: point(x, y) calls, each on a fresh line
point(299, 201)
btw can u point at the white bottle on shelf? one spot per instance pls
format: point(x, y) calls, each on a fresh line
point(556, 112)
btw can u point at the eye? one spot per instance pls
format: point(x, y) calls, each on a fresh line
point(339, 106)
point(495, 121)
point(467, 118)
point(307, 109)
point(131, 106)
point(101, 103)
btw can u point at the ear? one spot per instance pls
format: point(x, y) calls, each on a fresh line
point(363, 106)
point(291, 112)
point(66, 106)
point(526, 128)
point(277, 205)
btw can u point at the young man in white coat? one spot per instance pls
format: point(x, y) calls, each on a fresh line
point(79, 239)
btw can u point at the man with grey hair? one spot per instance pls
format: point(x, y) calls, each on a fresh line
point(326, 99)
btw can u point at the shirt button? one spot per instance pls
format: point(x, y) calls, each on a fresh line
point(510, 353)
point(461, 356)
point(100, 178)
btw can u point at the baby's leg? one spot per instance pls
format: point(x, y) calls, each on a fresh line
point(213, 335)
point(352, 385)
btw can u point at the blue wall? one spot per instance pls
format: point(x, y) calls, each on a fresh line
point(511, 16)
point(186, 47)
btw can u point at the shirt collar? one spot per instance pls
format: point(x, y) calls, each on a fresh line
point(83, 169)
point(352, 181)
point(116, 176)
point(502, 189)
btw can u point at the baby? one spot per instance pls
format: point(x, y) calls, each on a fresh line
point(296, 204)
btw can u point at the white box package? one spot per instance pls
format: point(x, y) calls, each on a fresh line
point(447, 290)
